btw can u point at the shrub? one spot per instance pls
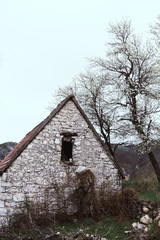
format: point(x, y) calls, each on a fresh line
point(147, 188)
point(123, 205)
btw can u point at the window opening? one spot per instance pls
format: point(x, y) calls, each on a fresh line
point(67, 149)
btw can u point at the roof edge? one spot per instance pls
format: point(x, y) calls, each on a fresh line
point(7, 161)
point(97, 136)
point(21, 146)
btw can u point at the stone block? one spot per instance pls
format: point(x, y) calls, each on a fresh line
point(4, 177)
point(19, 197)
point(103, 155)
point(2, 190)
point(57, 141)
point(1, 204)
point(6, 196)
point(146, 219)
point(145, 209)
point(3, 212)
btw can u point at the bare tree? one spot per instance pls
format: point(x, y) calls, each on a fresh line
point(134, 68)
point(90, 89)
point(120, 93)
point(155, 30)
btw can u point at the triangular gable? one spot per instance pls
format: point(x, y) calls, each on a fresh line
point(6, 162)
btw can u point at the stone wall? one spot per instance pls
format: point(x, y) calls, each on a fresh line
point(39, 173)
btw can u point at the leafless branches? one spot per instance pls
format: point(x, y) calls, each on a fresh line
point(121, 92)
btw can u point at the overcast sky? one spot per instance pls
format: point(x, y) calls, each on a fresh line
point(45, 44)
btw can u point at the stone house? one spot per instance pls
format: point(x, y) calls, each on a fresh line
point(46, 162)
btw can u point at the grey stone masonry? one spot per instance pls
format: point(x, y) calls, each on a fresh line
point(39, 173)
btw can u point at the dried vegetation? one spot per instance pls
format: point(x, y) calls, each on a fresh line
point(38, 221)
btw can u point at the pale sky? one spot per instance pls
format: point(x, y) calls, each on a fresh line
point(45, 44)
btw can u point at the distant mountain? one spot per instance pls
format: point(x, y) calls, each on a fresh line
point(5, 148)
point(134, 165)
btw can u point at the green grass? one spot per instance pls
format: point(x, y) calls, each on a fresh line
point(106, 228)
point(147, 189)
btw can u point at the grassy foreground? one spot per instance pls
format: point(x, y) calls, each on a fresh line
point(108, 227)
point(111, 228)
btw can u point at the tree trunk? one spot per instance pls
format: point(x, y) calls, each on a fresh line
point(155, 165)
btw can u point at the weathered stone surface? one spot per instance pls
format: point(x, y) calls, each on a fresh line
point(145, 209)
point(146, 219)
point(142, 227)
point(80, 169)
point(39, 174)
point(138, 225)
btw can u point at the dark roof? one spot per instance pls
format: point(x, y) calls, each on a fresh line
point(6, 162)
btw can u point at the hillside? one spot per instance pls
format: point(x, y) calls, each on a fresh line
point(137, 166)
point(5, 148)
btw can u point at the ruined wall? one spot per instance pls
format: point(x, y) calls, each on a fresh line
point(38, 171)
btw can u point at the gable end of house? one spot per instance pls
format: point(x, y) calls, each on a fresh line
point(21, 146)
